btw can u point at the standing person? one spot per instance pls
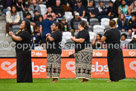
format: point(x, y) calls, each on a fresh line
point(115, 56)
point(83, 52)
point(45, 28)
point(24, 66)
point(54, 52)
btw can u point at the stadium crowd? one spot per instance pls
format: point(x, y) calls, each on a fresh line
point(42, 13)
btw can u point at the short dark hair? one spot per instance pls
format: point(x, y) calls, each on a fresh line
point(59, 25)
point(124, 35)
point(36, 11)
point(84, 24)
point(28, 14)
point(49, 16)
point(36, 26)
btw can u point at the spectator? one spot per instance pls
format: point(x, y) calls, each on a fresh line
point(96, 43)
point(40, 19)
point(132, 44)
point(129, 34)
point(36, 16)
point(50, 3)
point(85, 2)
point(6, 5)
point(65, 27)
point(28, 18)
point(123, 41)
point(42, 7)
point(50, 12)
point(122, 23)
point(91, 10)
point(124, 9)
point(46, 27)
point(132, 21)
point(26, 10)
point(80, 9)
point(43, 2)
point(1, 7)
point(20, 4)
point(102, 11)
point(67, 5)
point(110, 10)
point(74, 3)
point(74, 23)
point(133, 30)
point(116, 4)
point(133, 7)
point(34, 6)
point(58, 9)
point(36, 37)
point(12, 18)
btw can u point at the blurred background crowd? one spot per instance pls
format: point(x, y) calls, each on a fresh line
point(97, 13)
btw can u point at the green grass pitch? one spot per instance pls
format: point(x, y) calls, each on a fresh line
point(68, 85)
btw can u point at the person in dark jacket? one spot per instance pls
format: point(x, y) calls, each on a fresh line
point(122, 23)
point(65, 26)
point(116, 4)
point(20, 4)
point(102, 11)
point(132, 21)
point(80, 8)
point(58, 9)
point(110, 12)
point(46, 27)
point(36, 37)
point(74, 23)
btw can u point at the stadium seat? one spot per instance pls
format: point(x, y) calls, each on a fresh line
point(84, 19)
point(43, 9)
point(68, 16)
point(105, 22)
point(98, 29)
point(66, 35)
point(92, 36)
point(93, 21)
point(38, 48)
point(32, 28)
point(128, 40)
point(66, 38)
